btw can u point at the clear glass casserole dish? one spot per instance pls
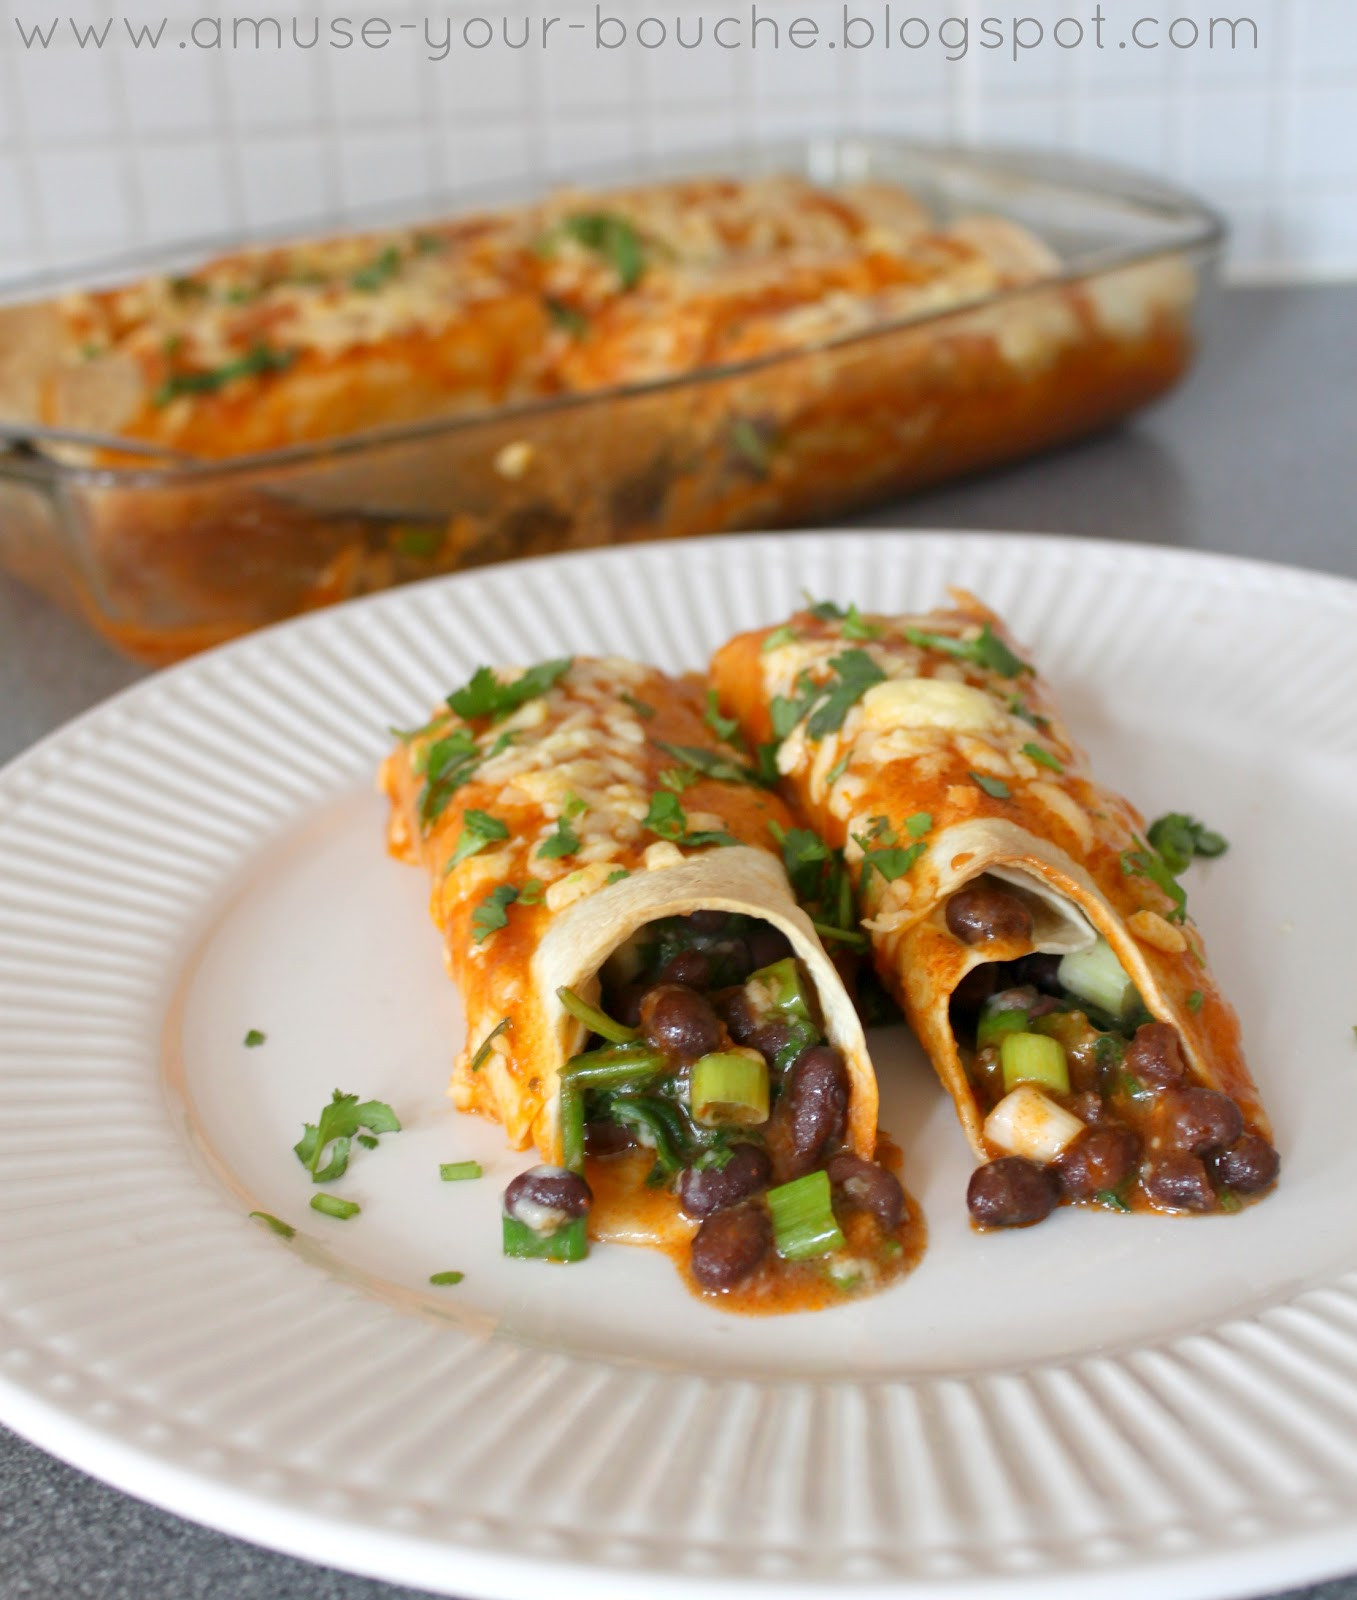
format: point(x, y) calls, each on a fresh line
point(166, 555)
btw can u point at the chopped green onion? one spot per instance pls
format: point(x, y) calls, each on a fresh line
point(459, 1171)
point(1097, 976)
point(441, 1279)
point(804, 1223)
point(253, 1039)
point(1044, 757)
point(284, 1230)
point(369, 1141)
point(730, 1086)
point(330, 1205)
point(786, 634)
point(1033, 1058)
point(995, 788)
point(994, 1025)
point(483, 1052)
point(782, 987)
point(570, 1242)
point(596, 1021)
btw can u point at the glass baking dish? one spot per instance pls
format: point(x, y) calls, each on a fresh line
point(166, 557)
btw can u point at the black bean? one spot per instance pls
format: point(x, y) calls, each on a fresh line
point(811, 1111)
point(708, 921)
point(1099, 1159)
point(981, 912)
point(730, 1246)
point(1042, 970)
point(1156, 1057)
point(1011, 1193)
point(731, 961)
point(1196, 1121)
point(767, 945)
point(694, 968)
point(1249, 1164)
point(680, 1022)
point(869, 1186)
point(1087, 1106)
point(1178, 1182)
point(607, 1138)
point(552, 1190)
point(702, 1190)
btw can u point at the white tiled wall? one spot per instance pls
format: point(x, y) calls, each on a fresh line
point(105, 150)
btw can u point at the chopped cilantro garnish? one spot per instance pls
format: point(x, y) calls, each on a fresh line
point(838, 769)
point(1044, 757)
point(1178, 838)
point(856, 626)
point(608, 235)
point(786, 634)
point(492, 913)
point(444, 1279)
point(766, 757)
point(254, 1038)
point(679, 778)
point(483, 1052)
point(882, 852)
point(485, 696)
point(369, 1141)
point(836, 935)
point(284, 1230)
point(378, 272)
point(564, 842)
point(986, 650)
point(918, 824)
point(1195, 1000)
point(820, 882)
point(428, 244)
point(855, 673)
point(418, 540)
point(752, 445)
point(446, 764)
point(330, 1205)
point(531, 892)
point(616, 877)
point(822, 610)
point(996, 788)
point(259, 360)
point(1146, 862)
point(726, 729)
point(709, 763)
point(409, 735)
point(460, 1171)
point(1111, 1200)
point(667, 818)
point(479, 829)
point(336, 1126)
point(638, 706)
point(1019, 708)
point(567, 317)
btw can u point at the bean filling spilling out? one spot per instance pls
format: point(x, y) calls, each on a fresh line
point(707, 1074)
point(1087, 1097)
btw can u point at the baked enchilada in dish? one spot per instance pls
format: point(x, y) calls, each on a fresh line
point(599, 366)
point(646, 1002)
point(1034, 931)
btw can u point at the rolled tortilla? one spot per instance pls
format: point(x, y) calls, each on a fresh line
point(948, 763)
point(593, 739)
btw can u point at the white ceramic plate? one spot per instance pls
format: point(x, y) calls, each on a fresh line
point(1131, 1401)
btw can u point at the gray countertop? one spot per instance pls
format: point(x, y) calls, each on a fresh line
point(1256, 455)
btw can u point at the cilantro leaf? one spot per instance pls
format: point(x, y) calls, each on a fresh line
point(257, 361)
point(838, 769)
point(855, 673)
point(564, 842)
point(616, 877)
point(492, 913)
point(640, 707)
point(1146, 862)
point(1044, 757)
point(485, 696)
point(1178, 837)
point(786, 634)
point(1195, 1000)
point(856, 626)
point(446, 765)
point(679, 778)
point(709, 763)
point(378, 272)
point(608, 235)
point(336, 1127)
point(254, 1038)
point(666, 815)
point(483, 1050)
point(726, 729)
point(986, 650)
point(995, 788)
point(822, 610)
point(766, 756)
point(1019, 708)
point(752, 444)
point(919, 824)
point(531, 891)
point(479, 829)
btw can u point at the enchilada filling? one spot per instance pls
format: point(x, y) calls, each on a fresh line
point(707, 1092)
point(1086, 1096)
